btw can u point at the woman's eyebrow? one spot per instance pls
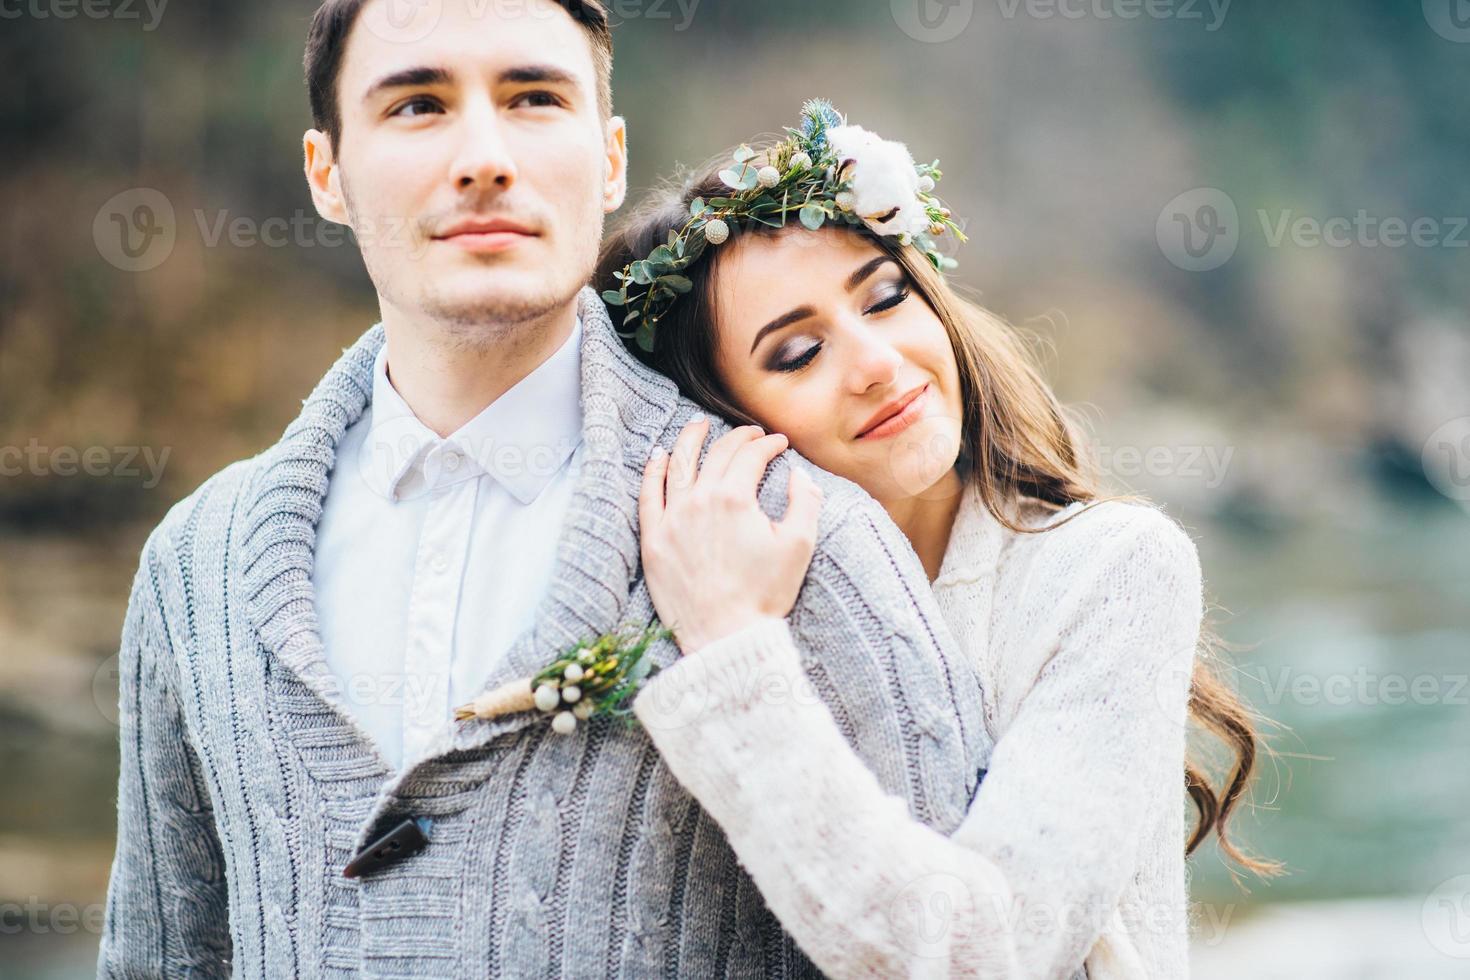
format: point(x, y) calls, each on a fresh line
point(784, 320)
point(867, 269)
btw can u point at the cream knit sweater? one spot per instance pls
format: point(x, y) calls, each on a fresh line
point(1073, 850)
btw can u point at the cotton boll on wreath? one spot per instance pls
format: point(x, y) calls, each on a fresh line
point(883, 181)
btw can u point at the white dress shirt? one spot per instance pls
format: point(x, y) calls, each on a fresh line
point(432, 555)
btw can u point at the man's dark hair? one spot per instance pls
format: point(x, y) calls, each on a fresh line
point(326, 43)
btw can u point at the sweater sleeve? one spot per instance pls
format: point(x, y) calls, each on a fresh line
point(864, 888)
point(167, 909)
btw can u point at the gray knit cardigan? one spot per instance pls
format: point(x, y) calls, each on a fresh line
point(246, 785)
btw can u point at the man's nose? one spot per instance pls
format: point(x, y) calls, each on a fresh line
point(484, 160)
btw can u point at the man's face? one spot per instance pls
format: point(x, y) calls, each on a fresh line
point(473, 163)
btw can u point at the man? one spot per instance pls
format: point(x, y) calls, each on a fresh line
point(454, 507)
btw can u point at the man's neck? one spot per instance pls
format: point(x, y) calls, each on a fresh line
point(446, 381)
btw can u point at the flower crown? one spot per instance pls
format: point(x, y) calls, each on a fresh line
point(825, 171)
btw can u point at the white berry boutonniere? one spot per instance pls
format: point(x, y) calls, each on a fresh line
point(595, 677)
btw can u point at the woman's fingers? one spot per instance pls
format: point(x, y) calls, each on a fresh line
point(803, 507)
point(749, 464)
point(651, 496)
point(717, 460)
point(684, 460)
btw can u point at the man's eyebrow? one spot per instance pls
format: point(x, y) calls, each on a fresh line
point(411, 78)
point(519, 75)
point(784, 320)
point(856, 279)
point(530, 74)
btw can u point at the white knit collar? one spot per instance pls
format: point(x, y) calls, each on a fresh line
point(974, 542)
point(521, 440)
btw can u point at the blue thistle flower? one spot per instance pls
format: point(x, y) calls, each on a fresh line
point(818, 116)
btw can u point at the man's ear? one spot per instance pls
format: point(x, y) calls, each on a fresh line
point(323, 177)
point(615, 184)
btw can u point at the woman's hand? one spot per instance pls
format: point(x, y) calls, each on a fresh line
point(714, 562)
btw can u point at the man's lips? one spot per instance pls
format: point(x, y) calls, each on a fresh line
point(897, 415)
point(485, 235)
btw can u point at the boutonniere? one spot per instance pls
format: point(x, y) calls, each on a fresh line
point(595, 677)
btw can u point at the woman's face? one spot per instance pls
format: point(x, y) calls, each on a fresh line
point(823, 337)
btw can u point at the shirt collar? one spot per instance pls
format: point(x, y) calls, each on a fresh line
point(521, 440)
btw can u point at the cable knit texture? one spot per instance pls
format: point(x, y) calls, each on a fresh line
point(1083, 638)
point(246, 786)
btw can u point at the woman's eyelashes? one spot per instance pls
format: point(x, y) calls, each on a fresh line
point(889, 296)
point(785, 362)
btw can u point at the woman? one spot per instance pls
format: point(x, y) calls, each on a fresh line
point(836, 333)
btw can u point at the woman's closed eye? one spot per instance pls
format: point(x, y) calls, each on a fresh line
point(888, 296)
point(798, 353)
point(795, 355)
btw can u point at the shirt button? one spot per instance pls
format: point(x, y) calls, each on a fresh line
point(451, 461)
point(439, 563)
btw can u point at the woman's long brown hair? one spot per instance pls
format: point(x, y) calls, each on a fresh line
point(1017, 441)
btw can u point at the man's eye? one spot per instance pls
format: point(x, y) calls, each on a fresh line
point(538, 100)
point(416, 107)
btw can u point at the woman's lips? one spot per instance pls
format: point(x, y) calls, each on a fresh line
point(906, 417)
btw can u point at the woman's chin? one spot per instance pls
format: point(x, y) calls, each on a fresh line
point(921, 459)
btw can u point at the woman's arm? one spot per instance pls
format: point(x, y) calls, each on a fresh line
point(864, 888)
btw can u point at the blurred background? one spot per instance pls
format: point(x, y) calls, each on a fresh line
point(1240, 230)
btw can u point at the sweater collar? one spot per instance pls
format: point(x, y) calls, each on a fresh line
point(625, 407)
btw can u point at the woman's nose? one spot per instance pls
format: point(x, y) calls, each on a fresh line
point(875, 361)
